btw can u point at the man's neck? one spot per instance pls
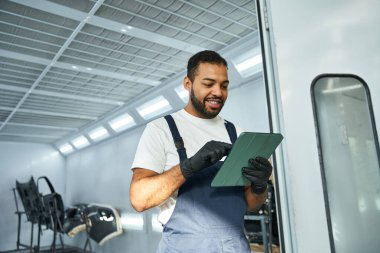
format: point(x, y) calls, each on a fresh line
point(191, 110)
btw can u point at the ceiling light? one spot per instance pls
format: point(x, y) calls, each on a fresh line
point(249, 63)
point(122, 122)
point(126, 28)
point(80, 142)
point(154, 107)
point(182, 93)
point(66, 148)
point(98, 134)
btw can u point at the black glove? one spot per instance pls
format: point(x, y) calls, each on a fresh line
point(210, 153)
point(258, 172)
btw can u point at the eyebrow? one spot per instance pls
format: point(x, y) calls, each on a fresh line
point(213, 80)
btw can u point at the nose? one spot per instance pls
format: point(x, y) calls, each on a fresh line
point(216, 91)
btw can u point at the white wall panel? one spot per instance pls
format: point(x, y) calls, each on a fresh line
point(312, 38)
point(20, 161)
point(246, 107)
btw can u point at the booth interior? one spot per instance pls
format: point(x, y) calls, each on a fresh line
point(79, 81)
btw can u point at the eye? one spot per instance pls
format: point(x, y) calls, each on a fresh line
point(224, 86)
point(208, 84)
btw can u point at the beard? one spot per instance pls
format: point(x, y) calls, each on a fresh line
point(200, 107)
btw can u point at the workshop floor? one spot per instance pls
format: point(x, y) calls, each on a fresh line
point(257, 248)
point(67, 249)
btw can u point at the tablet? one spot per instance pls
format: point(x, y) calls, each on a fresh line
point(248, 145)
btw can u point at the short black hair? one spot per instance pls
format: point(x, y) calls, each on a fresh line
point(206, 56)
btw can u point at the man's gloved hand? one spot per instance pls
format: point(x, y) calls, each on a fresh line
point(210, 153)
point(258, 172)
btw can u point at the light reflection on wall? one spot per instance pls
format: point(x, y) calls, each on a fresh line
point(156, 225)
point(378, 204)
point(133, 221)
point(43, 159)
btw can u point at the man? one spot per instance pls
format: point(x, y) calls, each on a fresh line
point(179, 155)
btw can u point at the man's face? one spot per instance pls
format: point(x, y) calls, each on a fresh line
point(208, 91)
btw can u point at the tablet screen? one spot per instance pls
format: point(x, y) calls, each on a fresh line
point(248, 145)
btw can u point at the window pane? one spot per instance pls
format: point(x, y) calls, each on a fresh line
point(350, 163)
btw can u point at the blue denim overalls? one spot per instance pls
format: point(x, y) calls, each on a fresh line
point(205, 219)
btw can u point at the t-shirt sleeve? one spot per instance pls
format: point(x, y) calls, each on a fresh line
point(150, 153)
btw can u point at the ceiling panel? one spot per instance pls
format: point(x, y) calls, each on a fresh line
point(3, 115)
point(65, 65)
point(48, 120)
point(9, 98)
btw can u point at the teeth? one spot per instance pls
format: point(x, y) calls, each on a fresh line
point(213, 102)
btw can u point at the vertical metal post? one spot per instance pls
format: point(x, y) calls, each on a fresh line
point(270, 219)
point(264, 233)
point(31, 238)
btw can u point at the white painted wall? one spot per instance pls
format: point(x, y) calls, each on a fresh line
point(312, 38)
point(20, 161)
point(246, 106)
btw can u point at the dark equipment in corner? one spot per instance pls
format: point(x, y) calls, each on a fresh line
point(44, 210)
point(261, 226)
point(104, 222)
point(100, 222)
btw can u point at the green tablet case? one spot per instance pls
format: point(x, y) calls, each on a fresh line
point(248, 145)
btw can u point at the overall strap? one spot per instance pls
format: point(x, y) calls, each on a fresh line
point(231, 131)
point(178, 141)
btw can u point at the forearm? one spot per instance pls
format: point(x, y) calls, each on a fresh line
point(149, 189)
point(254, 201)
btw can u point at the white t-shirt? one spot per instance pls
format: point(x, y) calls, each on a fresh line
point(156, 150)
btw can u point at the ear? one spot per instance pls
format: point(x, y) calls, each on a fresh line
point(187, 83)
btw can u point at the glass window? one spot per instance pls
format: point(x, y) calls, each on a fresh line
point(349, 156)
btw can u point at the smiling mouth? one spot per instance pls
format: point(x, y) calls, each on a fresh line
point(214, 103)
